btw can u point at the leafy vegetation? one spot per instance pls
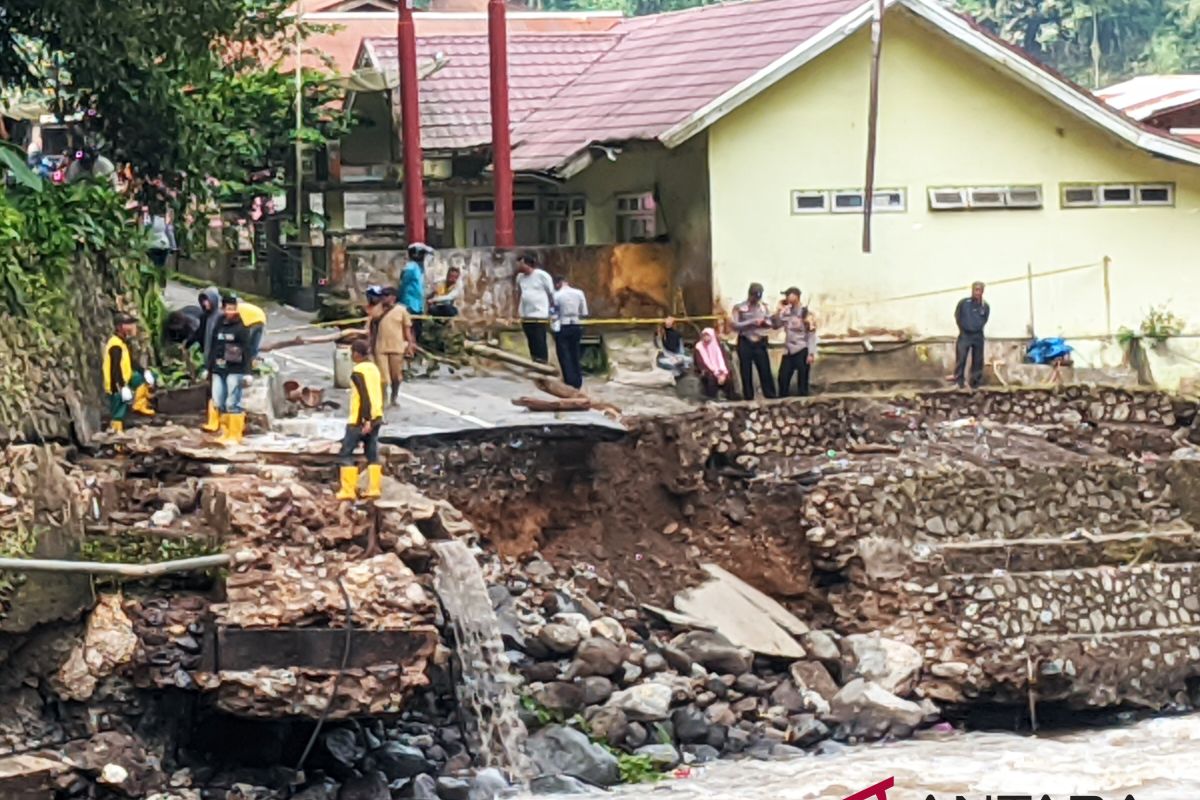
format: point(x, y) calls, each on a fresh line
point(1159, 325)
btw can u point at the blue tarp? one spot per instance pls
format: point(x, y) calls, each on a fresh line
point(1044, 351)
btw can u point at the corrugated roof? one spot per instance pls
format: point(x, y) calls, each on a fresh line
point(663, 68)
point(455, 105)
point(1149, 95)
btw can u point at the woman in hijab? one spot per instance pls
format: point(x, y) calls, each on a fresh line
point(712, 365)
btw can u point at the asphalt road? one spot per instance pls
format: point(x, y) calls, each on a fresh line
point(470, 400)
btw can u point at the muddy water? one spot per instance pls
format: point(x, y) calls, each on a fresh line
point(1157, 759)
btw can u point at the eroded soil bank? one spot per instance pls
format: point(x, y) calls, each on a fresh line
point(938, 551)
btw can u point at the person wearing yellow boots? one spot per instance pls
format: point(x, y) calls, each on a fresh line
point(228, 364)
point(127, 390)
point(363, 424)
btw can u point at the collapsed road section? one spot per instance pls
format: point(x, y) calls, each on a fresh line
point(589, 607)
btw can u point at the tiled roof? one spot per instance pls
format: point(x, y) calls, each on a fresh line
point(665, 67)
point(1148, 95)
point(455, 106)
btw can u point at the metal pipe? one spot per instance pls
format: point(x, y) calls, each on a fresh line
point(122, 570)
point(502, 175)
point(410, 127)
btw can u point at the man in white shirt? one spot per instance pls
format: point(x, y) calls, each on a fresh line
point(537, 300)
point(570, 306)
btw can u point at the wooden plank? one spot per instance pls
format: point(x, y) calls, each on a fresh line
point(319, 648)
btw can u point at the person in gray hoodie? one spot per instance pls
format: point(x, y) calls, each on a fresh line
point(210, 304)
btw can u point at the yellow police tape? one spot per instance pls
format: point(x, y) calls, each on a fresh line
point(506, 321)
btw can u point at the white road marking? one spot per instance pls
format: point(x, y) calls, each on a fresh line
point(483, 423)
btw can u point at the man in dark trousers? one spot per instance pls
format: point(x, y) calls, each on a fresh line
point(570, 308)
point(800, 344)
point(752, 322)
point(971, 315)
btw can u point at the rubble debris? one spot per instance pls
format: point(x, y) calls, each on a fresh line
point(739, 613)
point(109, 642)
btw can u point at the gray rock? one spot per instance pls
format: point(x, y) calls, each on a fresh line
point(342, 747)
point(714, 652)
point(597, 656)
point(811, 676)
point(645, 702)
point(560, 697)
point(822, 646)
point(736, 741)
point(788, 697)
point(891, 664)
point(677, 659)
point(559, 638)
point(372, 786)
point(506, 614)
point(720, 714)
point(321, 791)
point(700, 753)
point(608, 723)
point(630, 673)
point(397, 760)
point(662, 756)
point(556, 750)
point(561, 784)
point(542, 671)
point(864, 708)
point(424, 787)
point(690, 725)
point(488, 784)
point(806, 730)
point(636, 735)
point(596, 690)
point(450, 788)
point(749, 683)
point(717, 736)
point(653, 662)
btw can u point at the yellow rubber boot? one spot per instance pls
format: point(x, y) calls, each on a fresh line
point(117, 426)
point(213, 423)
point(141, 401)
point(235, 426)
point(374, 481)
point(349, 483)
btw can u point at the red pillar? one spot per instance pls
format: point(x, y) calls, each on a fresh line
point(501, 143)
point(410, 127)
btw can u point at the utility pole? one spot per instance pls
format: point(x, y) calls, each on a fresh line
point(502, 175)
point(410, 127)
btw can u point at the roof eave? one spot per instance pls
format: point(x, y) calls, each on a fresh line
point(768, 76)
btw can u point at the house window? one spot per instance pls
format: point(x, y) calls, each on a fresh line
point(564, 222)
point(486, 206)
point(1079, 196)
point(635, 217)
point(888, 200)
point(1156, 194)
point(1089, 195)
point(959, 198)
point(807, 202)
point(1116, 195)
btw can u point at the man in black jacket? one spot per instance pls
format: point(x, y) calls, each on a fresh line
point(971, 316)
point(228, 364)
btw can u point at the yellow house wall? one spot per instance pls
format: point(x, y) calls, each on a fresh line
point(946, 118)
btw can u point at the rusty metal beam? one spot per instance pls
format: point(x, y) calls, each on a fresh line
point(319, 648)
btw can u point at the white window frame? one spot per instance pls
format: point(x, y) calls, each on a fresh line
point(975, 199)
point(808, 193)
point(878, 207)
point(1068, 187)
point(945, 204)
point(1169, 188)
point(835, 194)
point(1012, 202)
point(1104, 187)
point(645, 212)
point(562, 214)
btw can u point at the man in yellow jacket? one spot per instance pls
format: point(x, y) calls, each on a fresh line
point(363, 424)
point(125, 388)
point(255, 320)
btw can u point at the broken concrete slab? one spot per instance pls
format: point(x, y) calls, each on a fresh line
point(736, 610)
point(789, 621)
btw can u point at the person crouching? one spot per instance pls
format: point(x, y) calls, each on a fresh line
point(362, 425)
point(228, 364)
point(127, 390)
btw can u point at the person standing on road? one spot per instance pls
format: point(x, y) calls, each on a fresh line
point(394, 341)
point(971, 316)
point(210, 306)
point(752, 321)
point(800, 343)
point(412, 282)
point(570, 308)
point(362, 425)
point(127, 390)
point(536, 301)
point(228, 364)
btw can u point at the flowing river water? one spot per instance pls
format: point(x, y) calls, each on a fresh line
point(1155, 759)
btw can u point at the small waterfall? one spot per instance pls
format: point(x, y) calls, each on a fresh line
point(486, 687)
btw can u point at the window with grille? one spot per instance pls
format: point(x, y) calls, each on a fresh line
point(564, 220)
point(1091, 195)
point(636, 217)
point(969, 198)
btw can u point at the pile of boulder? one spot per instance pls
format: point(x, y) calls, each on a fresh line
point(601, 685)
